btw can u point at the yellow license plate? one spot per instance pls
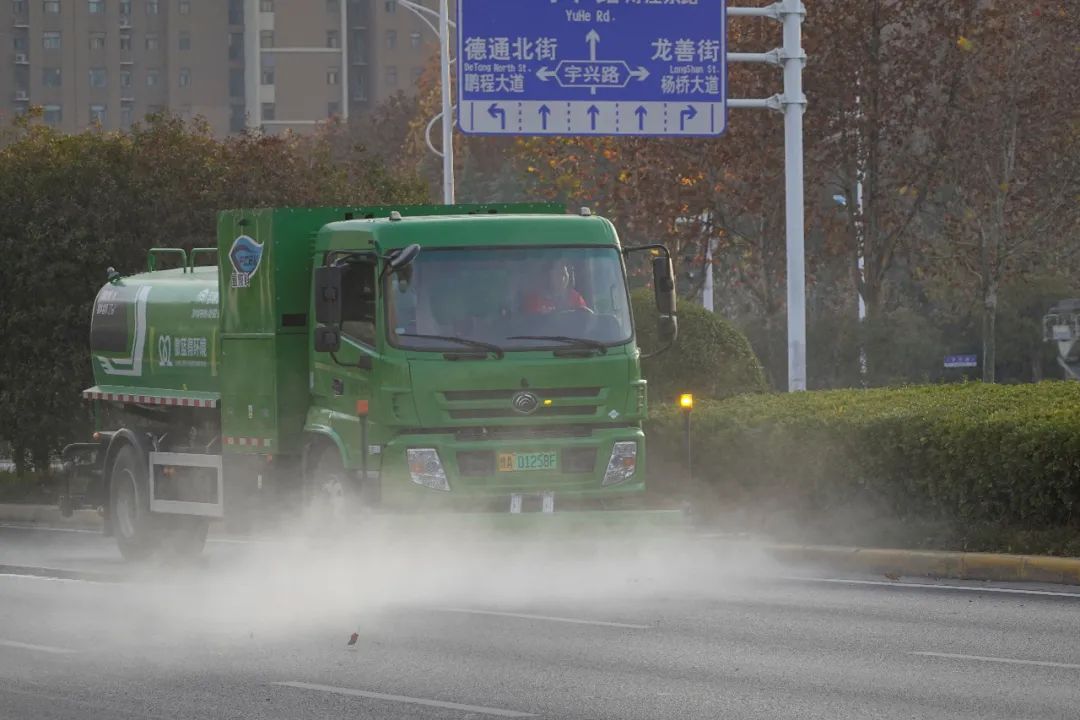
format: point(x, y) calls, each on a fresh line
point(523, 461)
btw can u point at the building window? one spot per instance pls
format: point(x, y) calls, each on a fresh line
point(333, 40)
point(125, 78)
point(266, 5)
point(236, 46)
point(185, 77)
point(125, 41)
point(97, 114)
point(333, 108)
point(237, 119)
point(268, 111)
point(333, 6)
point(236, 82)
point(151, 42)
point(152, 7)
point(151, 78)
point(127, 115)
point(266, 38)
point(417, 72)
point(53, 114)
point(391, 39)
point(414, 39)
point(391, 76)
point(390, 6)
point(50, 77)
point(236, 12)
point(332, 77)
point(95, 7)
point(267, 76)
point(183, 41)
point(50, 40)
point(185, 7)
point(18, 43)
point(97, 41)
point(52, 7)
point(18, 7)
point(99, 77)
point(125, 8)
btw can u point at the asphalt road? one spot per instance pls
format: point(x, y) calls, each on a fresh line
point(478, 629)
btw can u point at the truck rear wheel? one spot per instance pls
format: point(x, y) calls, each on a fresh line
point(137, 533)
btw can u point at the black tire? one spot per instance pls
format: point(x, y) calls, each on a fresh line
point(137, 532)
point(331, 497)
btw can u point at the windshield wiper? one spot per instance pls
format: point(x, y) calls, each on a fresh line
point(495, 349)
point(584, 343)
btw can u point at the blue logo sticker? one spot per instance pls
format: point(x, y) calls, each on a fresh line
point(245, 256)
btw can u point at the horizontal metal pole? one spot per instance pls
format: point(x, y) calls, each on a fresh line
point(769, 11)
point(766, 58)
point(770, 103)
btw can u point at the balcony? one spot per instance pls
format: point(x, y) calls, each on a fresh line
point(22, 58)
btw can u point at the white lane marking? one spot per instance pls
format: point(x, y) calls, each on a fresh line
point(549, 618)
point(39, 648)
point(931, 586)
point(38, 528)
point(405, 699)
point(1008, 661)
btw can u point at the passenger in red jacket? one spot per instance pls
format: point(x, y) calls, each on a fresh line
point(556, 295)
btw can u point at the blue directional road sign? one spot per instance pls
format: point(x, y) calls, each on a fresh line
point(961, 361)
point(592, 67)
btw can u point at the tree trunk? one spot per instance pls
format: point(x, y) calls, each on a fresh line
point(989, 329)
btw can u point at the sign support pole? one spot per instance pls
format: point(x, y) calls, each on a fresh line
point(793, 104)
point(447, 111)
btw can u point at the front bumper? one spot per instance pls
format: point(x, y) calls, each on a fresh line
point(476, 483)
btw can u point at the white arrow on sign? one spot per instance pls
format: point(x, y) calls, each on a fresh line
point(592, 38)
point(545, 74)
point(641, 73)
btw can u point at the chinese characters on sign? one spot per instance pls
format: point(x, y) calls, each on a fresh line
point(604, 67)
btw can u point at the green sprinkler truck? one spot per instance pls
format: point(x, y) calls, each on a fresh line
point(339, 362)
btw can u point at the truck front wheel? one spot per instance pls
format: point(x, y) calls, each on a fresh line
point(331, 496)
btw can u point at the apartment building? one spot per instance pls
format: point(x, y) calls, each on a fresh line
point(274, 64)
point(113, 61)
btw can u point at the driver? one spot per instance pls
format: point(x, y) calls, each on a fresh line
point(555, 293)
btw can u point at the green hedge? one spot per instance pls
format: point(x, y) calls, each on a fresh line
point(951, 461)
point(711, 358)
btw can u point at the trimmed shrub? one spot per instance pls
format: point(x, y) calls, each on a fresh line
point(964, 457)
point(711, 358)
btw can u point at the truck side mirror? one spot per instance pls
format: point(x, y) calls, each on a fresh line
point(328, 295)
point(327, 339)
point(664, 285)
point(668, 329)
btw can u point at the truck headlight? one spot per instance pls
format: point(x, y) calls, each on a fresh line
point(425, 468)
point(622, 464)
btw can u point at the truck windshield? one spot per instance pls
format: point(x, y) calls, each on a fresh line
point(552, 295)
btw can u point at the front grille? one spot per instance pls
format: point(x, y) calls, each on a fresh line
point(527, 432)
point(554, 411)
point(578, 460)
point(466, 395)
point(476, 463)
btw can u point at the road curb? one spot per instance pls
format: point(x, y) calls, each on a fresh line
point(933, 564)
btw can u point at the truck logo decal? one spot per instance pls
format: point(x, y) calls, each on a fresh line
point(164, 348)
point(132, 364)
point(245, 256)
point(525, 403)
